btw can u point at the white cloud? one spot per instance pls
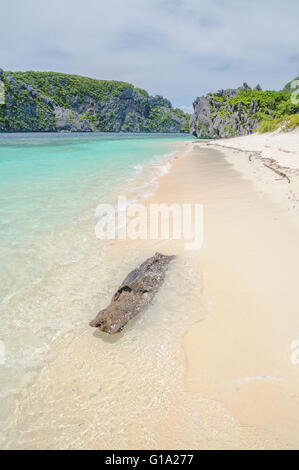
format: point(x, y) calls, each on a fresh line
point(178, 48)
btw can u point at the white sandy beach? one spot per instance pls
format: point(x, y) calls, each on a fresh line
point(279, 150)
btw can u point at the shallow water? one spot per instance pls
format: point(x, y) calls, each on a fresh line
point(97, 391)
point(54, 182)
point(50, 186)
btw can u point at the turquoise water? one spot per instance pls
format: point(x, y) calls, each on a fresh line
point(50, 180)
point(50, 260)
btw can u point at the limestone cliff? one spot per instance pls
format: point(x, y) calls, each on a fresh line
point(49, 101)
point(217, 115)
point(237, 112)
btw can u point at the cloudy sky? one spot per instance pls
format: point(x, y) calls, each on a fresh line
point(178, 48)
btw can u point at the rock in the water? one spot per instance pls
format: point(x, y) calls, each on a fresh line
point(136, 291)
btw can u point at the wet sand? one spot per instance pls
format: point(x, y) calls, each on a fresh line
point(207, 365)
point(240, 355)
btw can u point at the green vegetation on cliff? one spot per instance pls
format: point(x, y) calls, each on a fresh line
point(286, 123)
point(24, 110)
point(269, 104)
point(286, 115)
point(63, 87)
point(242, 111)
point(50, 101)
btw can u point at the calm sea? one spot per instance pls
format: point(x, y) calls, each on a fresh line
point(50, 185)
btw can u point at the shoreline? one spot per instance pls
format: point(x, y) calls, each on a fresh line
point(256, 396)
point(77, 301)
point(202, 366)
point(271, 162)
point(66, 292)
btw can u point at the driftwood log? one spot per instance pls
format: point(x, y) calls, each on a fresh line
point(280, 173)
point(136, 292)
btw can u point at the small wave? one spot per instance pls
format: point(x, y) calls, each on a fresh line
point(158, 168)
point(253, 378)
point(137, 167)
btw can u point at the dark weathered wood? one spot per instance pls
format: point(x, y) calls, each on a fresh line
point(280, 173)
point(135, 293)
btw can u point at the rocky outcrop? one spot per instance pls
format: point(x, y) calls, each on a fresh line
point(48, 101)
point(25, 109)
point(223, 114)
point(67, 120)
point(136, 292)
